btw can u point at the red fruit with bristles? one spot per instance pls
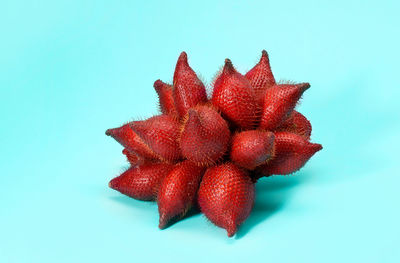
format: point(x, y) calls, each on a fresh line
point(131, 141)
point(132, 157)
point(235, 98)
point(169, 153)
point(205, 136)
point(141, 182)
point(297, 123)
point(292, 151)
point(178, 191)
point(166, 98)
point(188, 89)
point(261, 77)
point(161, 134)
point(279, 103)
point(252, 148)
point(226, 196)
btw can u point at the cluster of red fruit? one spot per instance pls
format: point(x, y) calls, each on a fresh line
point(210, 153)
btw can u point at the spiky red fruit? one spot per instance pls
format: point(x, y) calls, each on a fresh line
point(178, 191)
point(226, 196)
point(141, 182)
point(205, 136)
point(252, 148)
point(235, 97)
point(249, 129)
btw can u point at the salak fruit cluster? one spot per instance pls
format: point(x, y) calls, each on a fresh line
point(209, 153)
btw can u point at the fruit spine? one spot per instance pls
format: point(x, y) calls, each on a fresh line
point(210, 153)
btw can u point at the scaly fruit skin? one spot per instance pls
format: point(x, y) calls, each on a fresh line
point(210, 153)
point(141, 182)
point(178, 191)
point(131, 141)
point(188, 88)
point(252, 148)
point(297, 123)
point(226, 196)
point(166, 97)
point(235, 98)
point(292, 151)
point(205, 136)
point(161, 134)
point(261, 78)
point(279, 103)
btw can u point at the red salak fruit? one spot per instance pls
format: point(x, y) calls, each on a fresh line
point(279, 102)
point(292, 151)
point(252, 148)
point(141, 182)
point(235, 98)
point(297, 123)
point(166, 97)
point(205, 136)
point(261, 78)
point(131, 141)
point(178, 191)
point(247, 130)
point(188, 89)
point(161, 134)
point(226, 196)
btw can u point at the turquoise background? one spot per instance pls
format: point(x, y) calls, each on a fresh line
point(71, 69)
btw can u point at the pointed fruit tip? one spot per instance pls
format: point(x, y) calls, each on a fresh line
point(228, 67)
point(163, 221)
point(304, 86)
point(109, 132)
point(158, 84)
point(316, 147)
point(183, 56)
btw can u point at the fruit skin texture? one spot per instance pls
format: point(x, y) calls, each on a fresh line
point(292, 151)
point(234, 96)
point(261, 77)
point(279, 103)
point(297, 123)
point(141, 182)
point(226, 196)
point(178, 191)
point(204, 136)
point(188, 89)
point(210, 153)
point(252, 148)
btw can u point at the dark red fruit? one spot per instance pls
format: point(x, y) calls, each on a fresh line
point(141, 182)
point(261, 77)
point(298, 124)
point(226, 196)
point(252, 148)
point(188, 88)
point(235, 98)
point(178, 191)
point(205, 136)
point(166, 98)
point(292, 151)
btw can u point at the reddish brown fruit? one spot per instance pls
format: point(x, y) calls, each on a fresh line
point(252, 148)
point(131, 141)
point(234, 96)
point(141, 182)
point(261, 77)
point(226, 196)
point(178, 191)
point(132, 157)
point(292, 151)
point(298, 124)
point(188, 88)
point(279, 102)
point(165, 96)
point(161, 134)
point(205, 136)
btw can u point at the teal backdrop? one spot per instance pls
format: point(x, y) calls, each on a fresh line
point(71, 69)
